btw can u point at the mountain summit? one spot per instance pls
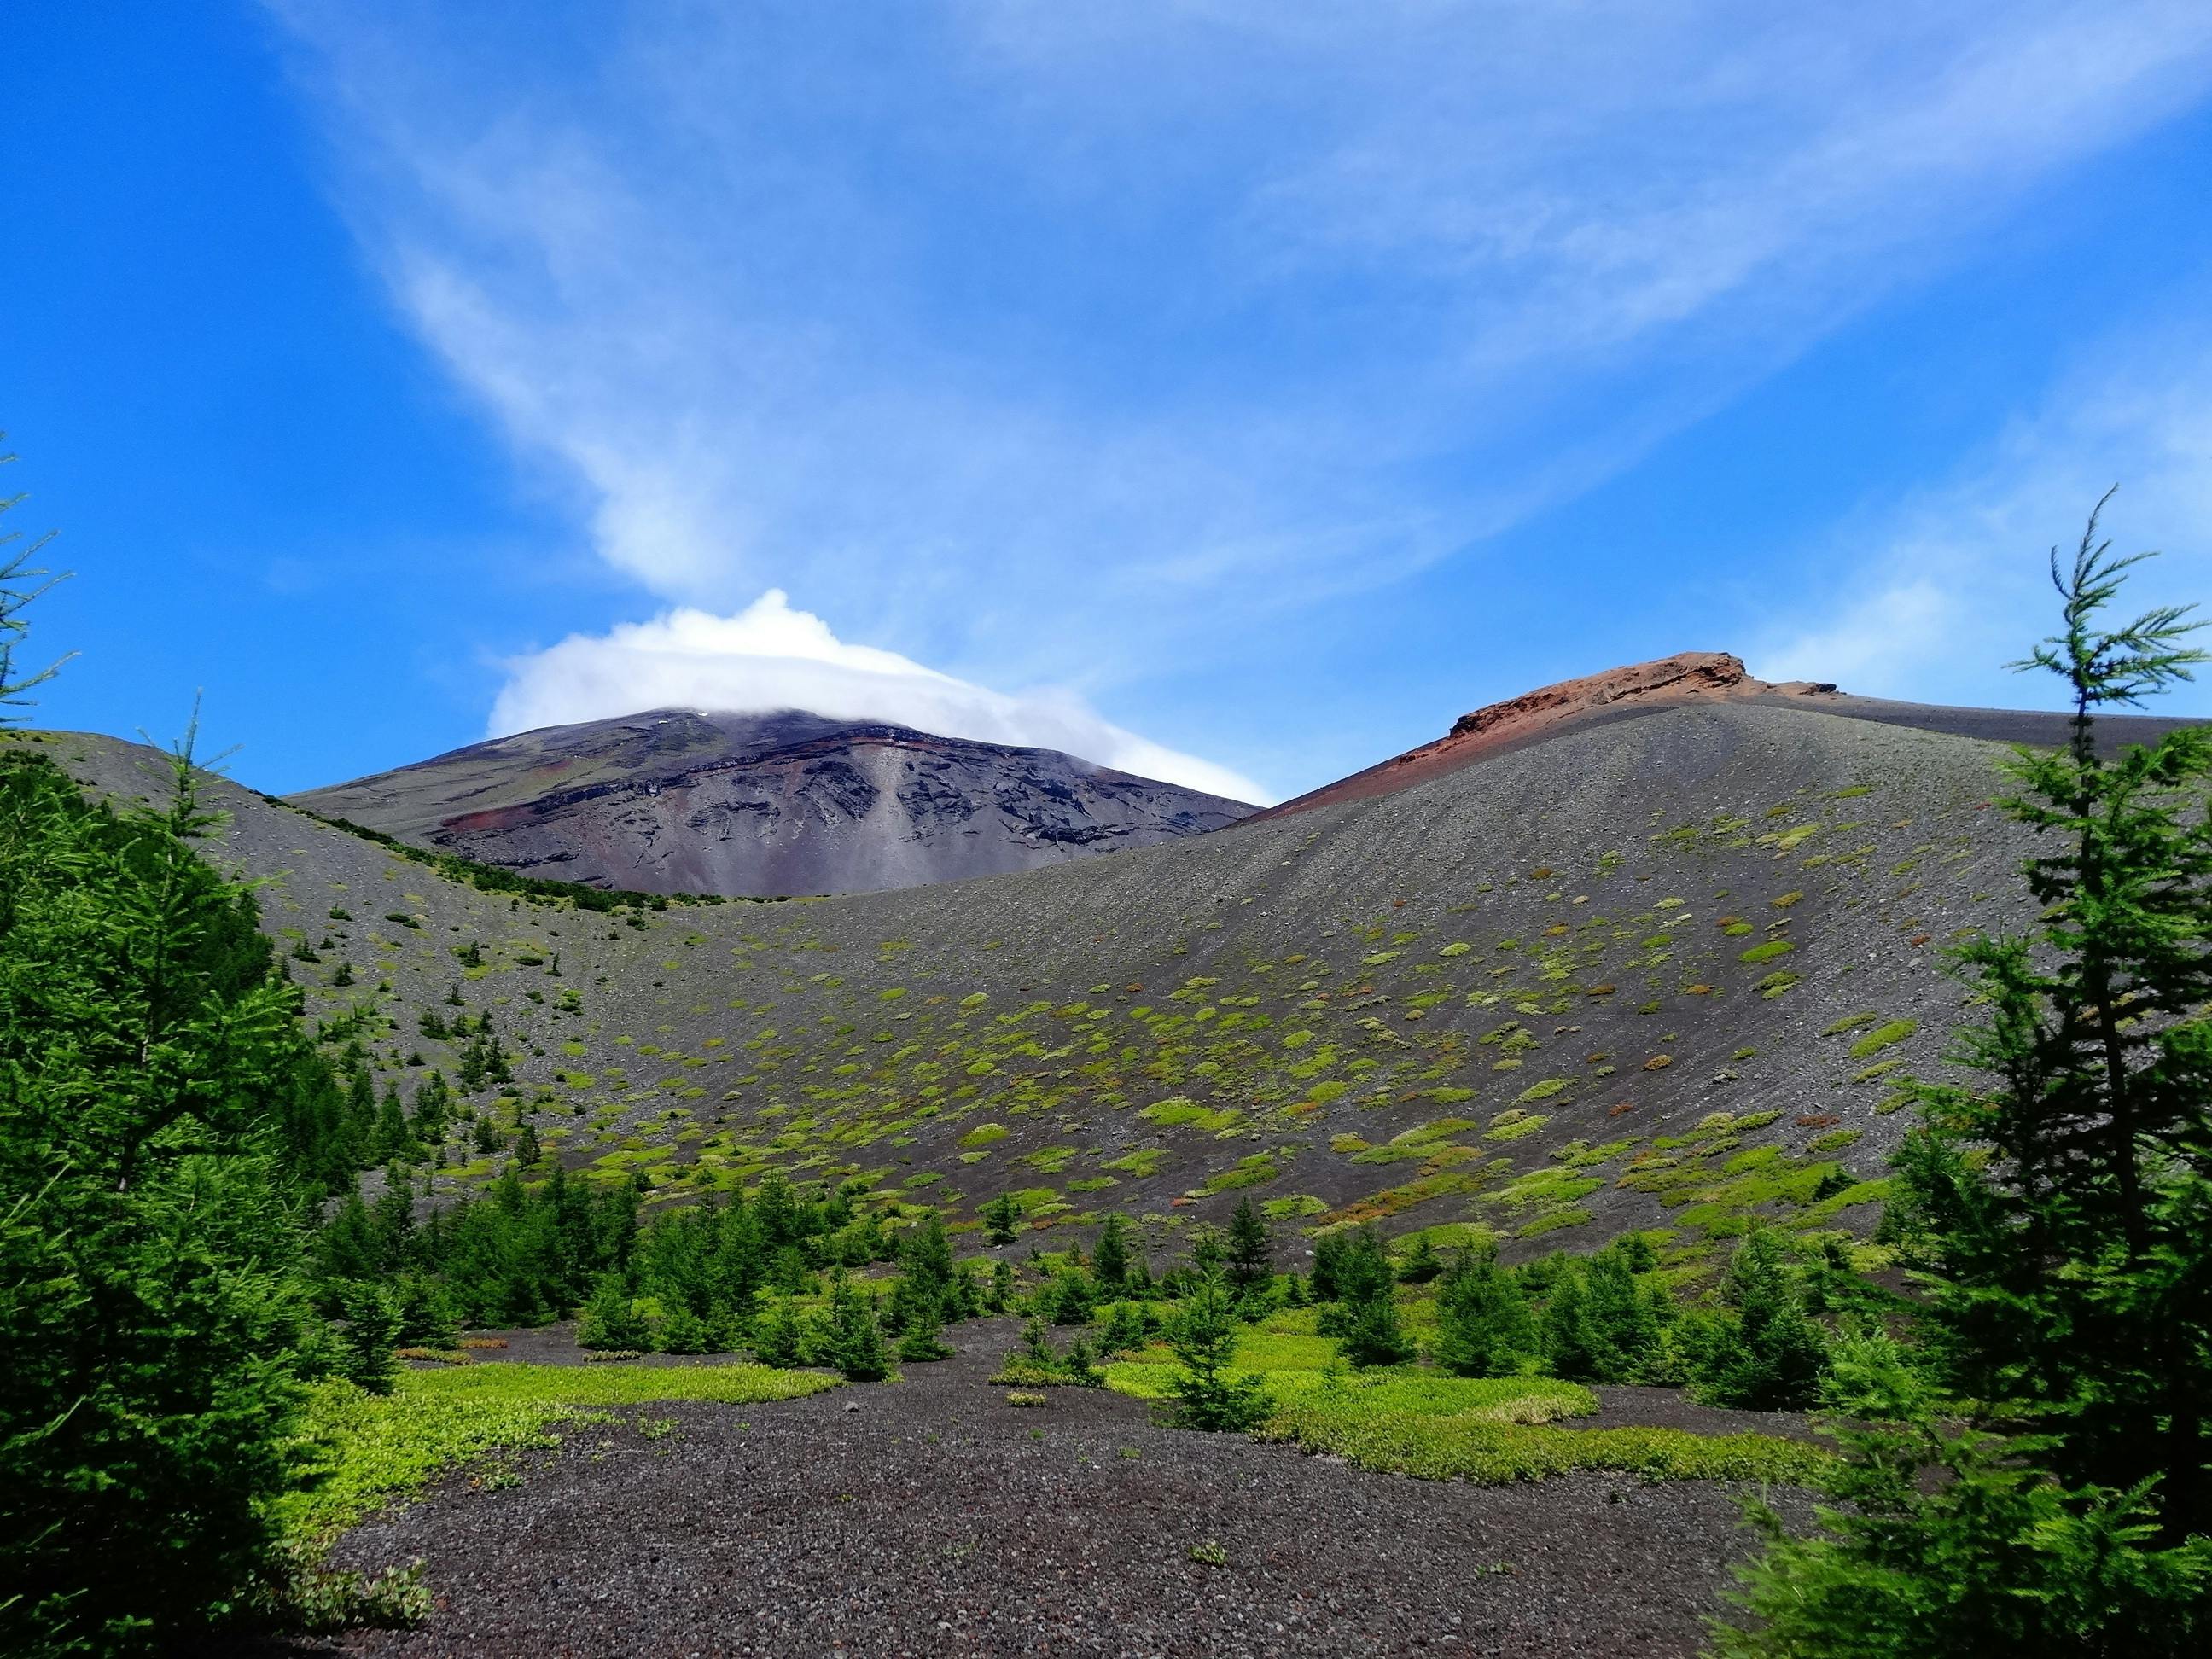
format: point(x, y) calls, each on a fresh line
point(764, 804)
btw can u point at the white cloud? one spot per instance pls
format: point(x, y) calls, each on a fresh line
point(1086, 346)
point(1930, 595)
point(1875, 645)
point(959, 318)
point(768, 656)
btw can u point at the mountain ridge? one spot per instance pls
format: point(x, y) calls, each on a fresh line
point(1681, 680)
point(771, 805)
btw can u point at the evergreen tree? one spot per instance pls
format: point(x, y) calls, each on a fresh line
point(2060, 1211)
point(1771, 1357)
point(927, 1253)
point(1483, 1326)
point(1036, 1347)
point(1624, 1321)
point(368, 1337)
point(1420, 1263)
point(609, 1320)
point(426, 1312)
point(775, 1212)
point(1069, 1297)
point(682, 1331)
point(1363, 1284)
point(1079, 1364)
point(1570, 1346)
point(347, 1248)
point(1124, 1329)
point(154, 1085)
point(852, 1340)
point(1249, 1252)
point(392, 1221)
point(1109, 1264)
point(1204, 1331)
point(780, 1338)
point(1372, 1334)
point(921, 1339)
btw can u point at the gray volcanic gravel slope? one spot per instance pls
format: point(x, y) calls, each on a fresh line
point(674, 801)
point(927, 1516)
point(1413, 1008)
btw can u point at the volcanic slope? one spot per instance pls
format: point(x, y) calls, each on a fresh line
point(1656, 973)
point(764, 804)
point(1685, 679)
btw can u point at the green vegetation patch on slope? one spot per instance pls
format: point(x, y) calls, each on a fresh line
point(378, 1450)
point(1370, 1428)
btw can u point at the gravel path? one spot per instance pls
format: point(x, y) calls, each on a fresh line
point(930, 1517)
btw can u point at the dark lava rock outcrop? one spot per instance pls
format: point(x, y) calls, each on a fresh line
point(762, 805)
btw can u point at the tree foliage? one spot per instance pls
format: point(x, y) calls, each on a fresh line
point(2059, 1209)
point(1204, 1331)
point(152, 1071)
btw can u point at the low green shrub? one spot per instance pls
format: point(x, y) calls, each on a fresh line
point(1401, 1441)
point(377, 1449)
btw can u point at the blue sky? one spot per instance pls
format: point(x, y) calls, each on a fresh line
point(1234, 392)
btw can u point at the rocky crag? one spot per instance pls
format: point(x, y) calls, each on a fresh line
point(764, 806)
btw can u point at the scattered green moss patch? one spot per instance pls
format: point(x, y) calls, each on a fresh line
point(1145, 1161)
point(1768, 951)
point(378, 1450)
point(1495, 1445)
point(1253, 1172)
point(1884, 1036)
point(1180, 1111)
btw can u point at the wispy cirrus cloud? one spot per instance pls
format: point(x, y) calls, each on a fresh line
point(1045, 342)
point(1926, 596)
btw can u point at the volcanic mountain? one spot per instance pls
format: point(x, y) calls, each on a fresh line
point(1686, 679)
point(1659, 964)
point(764, 804)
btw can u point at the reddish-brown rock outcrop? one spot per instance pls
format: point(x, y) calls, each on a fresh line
point(1687, 677)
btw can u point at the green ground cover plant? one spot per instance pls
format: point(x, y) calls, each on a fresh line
point(375, 1450)
point(1493, 1451)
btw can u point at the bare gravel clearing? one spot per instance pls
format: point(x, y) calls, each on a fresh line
point(928, 1516)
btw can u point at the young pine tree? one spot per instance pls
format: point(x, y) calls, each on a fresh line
point(1248, 1251)
point(1770, 1356)
point(609, 1322)
point(152, 1313)
point(369, 1336)
point(1204, 1333)
point(2060, 1210)
point(1002, 1219)
point(1484, 1326)
point(1365, 1317)
point(852, 1340)
point(1421, 1263)
point(1070, 1296)
point(923, 1339)
point(1109, 1263)
point(780, 1337)
point(927, 1255)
